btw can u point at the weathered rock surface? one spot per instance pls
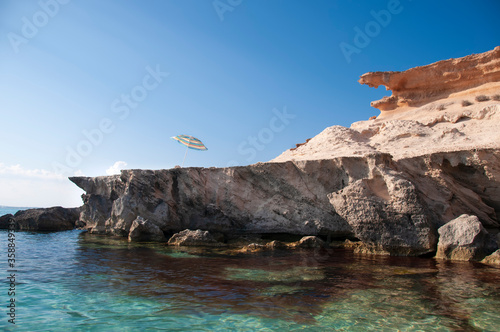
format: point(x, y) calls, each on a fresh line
point(144, 230)
point(194, 238)
point(385, 211)
point(465, 239)
point(493, 259)
point(390, 182)
point(263, 198)
point(398, 205)
point(44, 219)
point(422, 85)
point(408, 134)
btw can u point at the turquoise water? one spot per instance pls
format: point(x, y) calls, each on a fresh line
point(9, 209)
point(73, 281)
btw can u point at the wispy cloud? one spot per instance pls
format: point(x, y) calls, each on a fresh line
point(116, 168)
point(21, 186)
point(19, 171)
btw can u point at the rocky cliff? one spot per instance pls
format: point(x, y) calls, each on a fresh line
point(389, 182)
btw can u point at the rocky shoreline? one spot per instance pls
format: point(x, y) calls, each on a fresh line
point(44, 219)
point(422, 179)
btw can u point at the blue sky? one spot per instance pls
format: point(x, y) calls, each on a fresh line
point(89, 84)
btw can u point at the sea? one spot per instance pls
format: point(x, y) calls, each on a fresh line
point(75, 281)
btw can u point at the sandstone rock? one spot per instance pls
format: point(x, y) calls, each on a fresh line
point(44, 219)
point(421, 85)
point(194, 238)
point(424, 115)
point(407, 134)
point(465, 239)
point(493, 259)
point(143, 230)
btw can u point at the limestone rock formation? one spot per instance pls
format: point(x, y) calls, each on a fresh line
point(263, 198)
point(465, 239)
point(408, 134)
point(391, 182)
point(194, 238)
point(48, 219)
point(144, 230)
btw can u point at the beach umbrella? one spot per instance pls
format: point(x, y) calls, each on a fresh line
point(191, 143)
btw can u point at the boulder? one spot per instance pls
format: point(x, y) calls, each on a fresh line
point(44, 219)
point(465, 239)
point(386, 214)
point(143, 230)
point(194, 238)
point(493, 259)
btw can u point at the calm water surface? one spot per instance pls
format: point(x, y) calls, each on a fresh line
point(73, 281)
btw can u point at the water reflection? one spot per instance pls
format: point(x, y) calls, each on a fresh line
point(312, 287)
point(87, 282)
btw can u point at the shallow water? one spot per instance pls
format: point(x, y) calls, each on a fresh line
point(81, 282)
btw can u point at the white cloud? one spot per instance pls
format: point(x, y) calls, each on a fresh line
point(20, 186)
point(19, 171)
point(79, 173)
point(116, 168)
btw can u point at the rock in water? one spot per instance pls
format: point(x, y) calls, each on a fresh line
point(194, 238)
point(144, 231)
point(48, 219)
point(311, 242)
point(493, 259)
point(464, 239)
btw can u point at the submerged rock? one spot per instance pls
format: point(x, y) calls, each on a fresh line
point(464, 239)
point(44, 219)
point(296, 274)
point(194, 238)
